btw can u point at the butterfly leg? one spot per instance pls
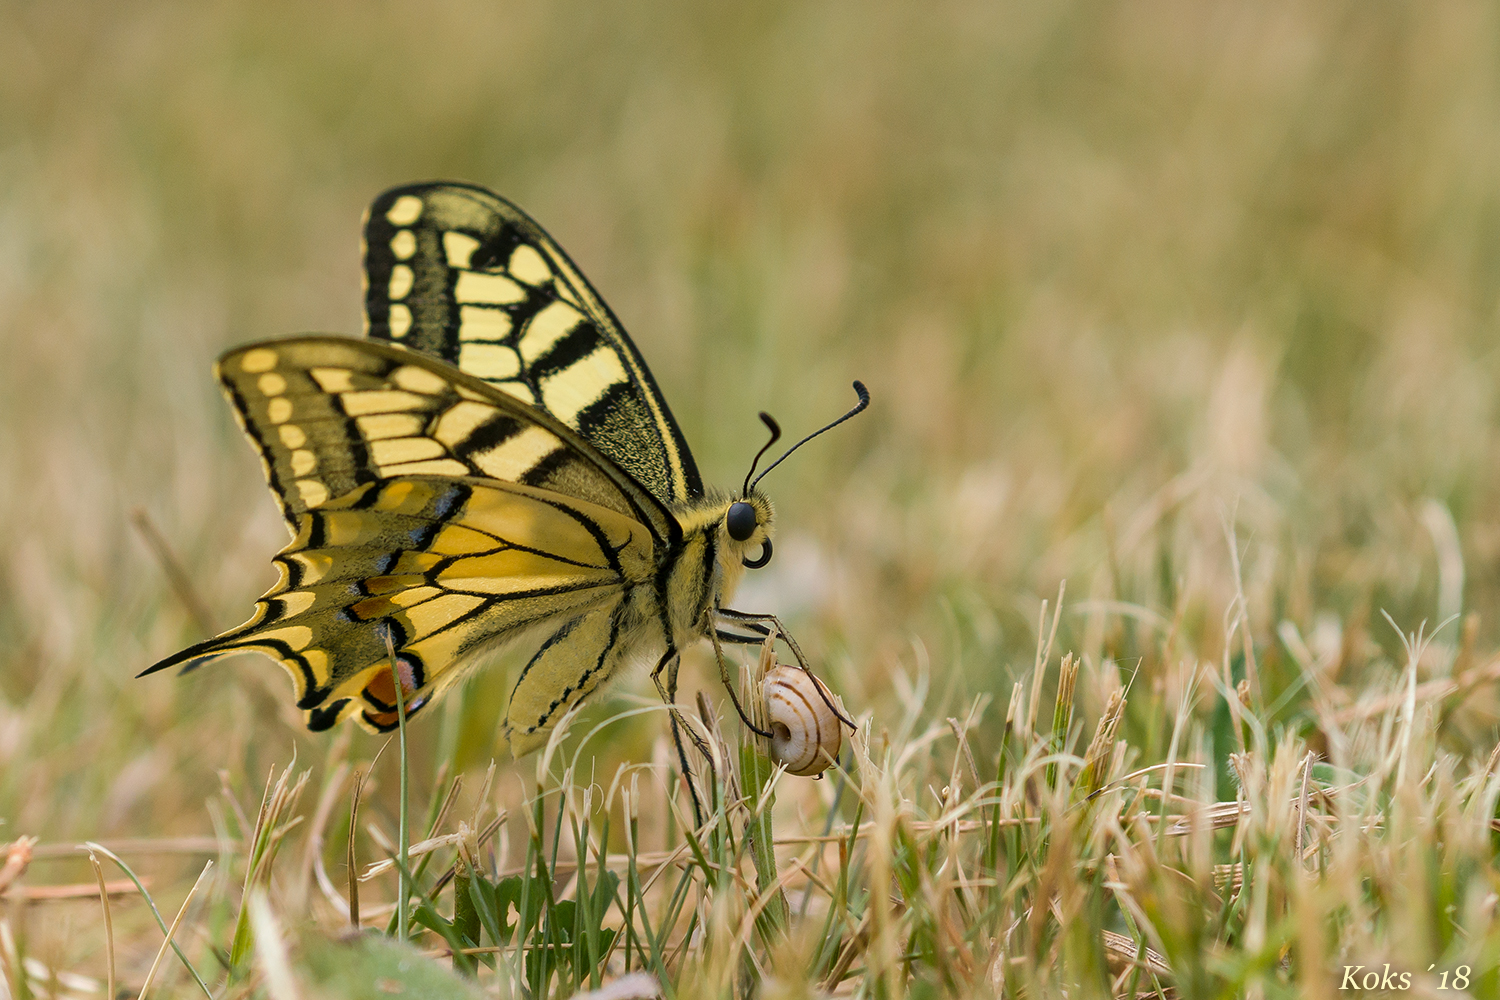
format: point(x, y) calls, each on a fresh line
point(668, 664)
point(714, 637)
point(761, 631)
point(762, 626)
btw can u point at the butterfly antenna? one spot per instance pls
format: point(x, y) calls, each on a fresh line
point(864, 401)
point(775, 429)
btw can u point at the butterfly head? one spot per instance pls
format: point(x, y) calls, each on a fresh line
point(747, 524)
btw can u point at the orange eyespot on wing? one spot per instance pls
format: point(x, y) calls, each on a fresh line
point(381, 711)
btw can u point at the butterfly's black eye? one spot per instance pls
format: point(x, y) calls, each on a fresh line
point(740, 520)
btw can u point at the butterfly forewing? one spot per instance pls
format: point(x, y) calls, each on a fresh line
point(462, 274)
point(329, 414)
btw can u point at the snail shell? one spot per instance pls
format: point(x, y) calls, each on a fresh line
point(800, 721)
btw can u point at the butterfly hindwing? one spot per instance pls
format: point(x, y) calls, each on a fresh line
point(448, 568)
point(460, 273)
point(578, 656)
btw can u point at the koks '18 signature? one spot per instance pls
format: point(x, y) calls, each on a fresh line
point(1358, 977)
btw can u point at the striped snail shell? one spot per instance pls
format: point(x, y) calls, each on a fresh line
point(800, 721)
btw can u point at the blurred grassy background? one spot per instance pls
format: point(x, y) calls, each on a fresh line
point(1118, 276)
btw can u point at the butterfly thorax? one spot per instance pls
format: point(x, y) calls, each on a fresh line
point(702, 573)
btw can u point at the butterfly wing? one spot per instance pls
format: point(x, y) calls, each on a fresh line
point(460, 273)
point(448, 569)
point(328, 414)
point(431, 508)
